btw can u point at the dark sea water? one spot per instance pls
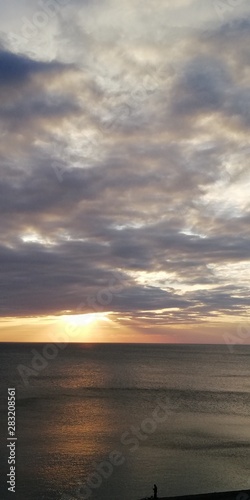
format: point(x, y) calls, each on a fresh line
point(87, 404)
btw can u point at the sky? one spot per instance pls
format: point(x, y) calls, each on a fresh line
point(124, 188)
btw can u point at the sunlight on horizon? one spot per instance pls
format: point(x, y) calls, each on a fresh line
point(84, 319)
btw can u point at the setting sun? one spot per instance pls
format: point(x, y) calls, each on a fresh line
point(84, 319)
point(83, 327)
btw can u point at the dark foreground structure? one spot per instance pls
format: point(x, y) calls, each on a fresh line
point(224, 495)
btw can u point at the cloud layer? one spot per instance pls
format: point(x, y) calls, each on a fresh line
point(125, 162)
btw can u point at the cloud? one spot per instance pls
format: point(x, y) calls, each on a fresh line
point(127, 154)
point(16, 69)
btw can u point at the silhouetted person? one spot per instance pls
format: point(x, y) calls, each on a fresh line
point(155, 491)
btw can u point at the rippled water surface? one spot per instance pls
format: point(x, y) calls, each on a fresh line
point(92, 404)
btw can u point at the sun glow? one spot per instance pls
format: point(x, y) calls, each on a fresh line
point(87, 327)
point(84, 319)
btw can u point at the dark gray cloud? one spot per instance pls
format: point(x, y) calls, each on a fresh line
point(202, 87)
point(17, 69)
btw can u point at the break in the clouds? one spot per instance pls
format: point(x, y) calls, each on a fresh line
point(125, 160)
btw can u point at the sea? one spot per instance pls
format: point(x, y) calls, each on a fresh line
point(108, 421)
